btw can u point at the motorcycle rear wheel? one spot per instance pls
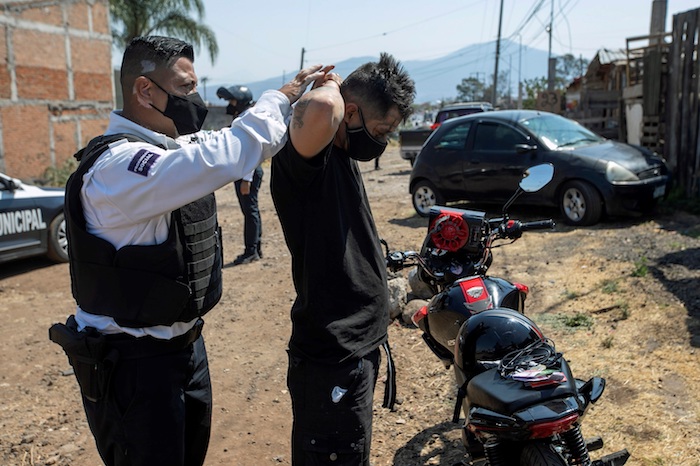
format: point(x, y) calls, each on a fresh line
point(540, 454)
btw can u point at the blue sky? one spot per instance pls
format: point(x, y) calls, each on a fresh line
point(260, 39)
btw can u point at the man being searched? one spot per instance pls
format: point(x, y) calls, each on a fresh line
point(145, 254)
point(239, 100)
point(340, 315)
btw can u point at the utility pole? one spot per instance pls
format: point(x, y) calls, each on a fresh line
point(301, 66)
point(498, 54)
point(520, 66)
point(552, 62)
point(658, 21)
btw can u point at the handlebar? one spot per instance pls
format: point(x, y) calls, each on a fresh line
point(538, 225)
point(502, 228)
point(513, 229)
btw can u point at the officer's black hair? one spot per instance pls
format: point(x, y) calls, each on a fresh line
point(378, 86)
point(146, 54)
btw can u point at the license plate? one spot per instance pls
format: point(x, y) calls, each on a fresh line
point(659, 191)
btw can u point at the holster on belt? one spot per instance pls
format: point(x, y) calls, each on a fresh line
point(90, 355)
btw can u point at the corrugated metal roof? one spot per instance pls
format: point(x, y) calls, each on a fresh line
point(607, 56)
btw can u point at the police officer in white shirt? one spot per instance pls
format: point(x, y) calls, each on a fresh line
point(145, 253)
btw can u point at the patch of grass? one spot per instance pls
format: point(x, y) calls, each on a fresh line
point(640, 267)
point(624, 311)
point(57, 176)
point(578, 320)
point(607, 342)
point(654, 462)
point(677, 200)
point(609, 286)
point(569, 295)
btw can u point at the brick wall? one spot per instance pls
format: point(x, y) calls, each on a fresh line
point(56, 81)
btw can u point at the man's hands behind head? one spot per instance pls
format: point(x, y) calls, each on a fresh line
point(296, 87)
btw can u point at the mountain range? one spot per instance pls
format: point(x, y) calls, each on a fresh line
point(437, 79)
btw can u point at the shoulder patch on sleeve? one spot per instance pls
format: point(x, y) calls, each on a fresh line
point(142, 162)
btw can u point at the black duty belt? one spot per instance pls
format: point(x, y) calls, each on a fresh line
point(130, 347)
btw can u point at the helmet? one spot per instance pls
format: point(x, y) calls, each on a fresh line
point(490, 335)
point(242, 95)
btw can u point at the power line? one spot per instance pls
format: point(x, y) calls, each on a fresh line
point(384, 34)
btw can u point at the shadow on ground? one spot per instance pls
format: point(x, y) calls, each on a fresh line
point(21, 266)
point(432, 446)
point(679, 272)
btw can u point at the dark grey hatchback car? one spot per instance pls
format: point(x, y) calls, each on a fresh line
point(482, 157)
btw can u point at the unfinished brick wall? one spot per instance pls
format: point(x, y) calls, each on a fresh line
point(56, 81)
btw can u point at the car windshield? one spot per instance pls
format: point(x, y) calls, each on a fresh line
point(556, 132)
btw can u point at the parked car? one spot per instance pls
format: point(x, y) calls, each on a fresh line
point(482, 157)
point(31, 221)
point(411, 140)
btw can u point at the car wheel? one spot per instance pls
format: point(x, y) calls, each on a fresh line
point(58, 240)
point(580, 204)
point(425, 196)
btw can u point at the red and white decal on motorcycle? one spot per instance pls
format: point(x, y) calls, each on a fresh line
point(476, 295)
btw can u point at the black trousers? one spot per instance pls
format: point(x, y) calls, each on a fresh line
point(252, 223)
point(332, 407)
point(157, 411)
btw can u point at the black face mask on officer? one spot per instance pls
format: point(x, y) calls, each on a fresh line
point(361, 145)
point(188, 112)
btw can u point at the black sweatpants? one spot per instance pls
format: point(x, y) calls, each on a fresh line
point(332, 407)
point(157, 411)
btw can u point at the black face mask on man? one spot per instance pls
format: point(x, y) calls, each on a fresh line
point(188, 112)
point(361, 145)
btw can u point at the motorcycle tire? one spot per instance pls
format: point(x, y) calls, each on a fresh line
point(540, 454)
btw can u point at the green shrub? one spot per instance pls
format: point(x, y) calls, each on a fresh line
point(57, 176)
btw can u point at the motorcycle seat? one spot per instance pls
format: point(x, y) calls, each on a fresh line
point(506, 396)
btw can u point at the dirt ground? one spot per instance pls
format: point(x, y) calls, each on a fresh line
point(634, 283)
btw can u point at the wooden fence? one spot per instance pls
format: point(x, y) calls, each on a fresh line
point(682, 147)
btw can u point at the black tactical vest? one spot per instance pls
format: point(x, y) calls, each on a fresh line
point(142, 286)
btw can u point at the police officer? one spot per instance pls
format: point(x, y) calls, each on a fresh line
point(145, 254)
point(240, 98)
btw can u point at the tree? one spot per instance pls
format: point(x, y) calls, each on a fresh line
point(470, 89)
point(570, 67)
point(133, 18)
point(532, 88)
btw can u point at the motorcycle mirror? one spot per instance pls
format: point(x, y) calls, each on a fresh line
point(537, 177)
point(534, 179)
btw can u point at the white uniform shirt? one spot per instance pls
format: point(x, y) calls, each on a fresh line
point(131, 190)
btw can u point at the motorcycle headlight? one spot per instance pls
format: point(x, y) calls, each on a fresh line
point(616, 173)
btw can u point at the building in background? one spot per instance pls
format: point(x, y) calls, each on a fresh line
point(56, 84)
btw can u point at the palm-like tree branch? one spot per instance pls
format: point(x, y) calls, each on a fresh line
point(132, 18)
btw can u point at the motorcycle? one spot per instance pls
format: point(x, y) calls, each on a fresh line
point(521, 403)
point(452, 264)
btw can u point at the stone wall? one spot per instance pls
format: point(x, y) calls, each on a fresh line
point(56, 81)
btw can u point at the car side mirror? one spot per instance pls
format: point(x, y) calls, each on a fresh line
point(523, 148)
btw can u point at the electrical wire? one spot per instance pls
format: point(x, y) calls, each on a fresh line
point(538, 352)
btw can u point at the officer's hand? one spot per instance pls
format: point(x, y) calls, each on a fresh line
point(296, 87)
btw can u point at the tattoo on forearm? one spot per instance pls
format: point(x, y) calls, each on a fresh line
point(299, 110)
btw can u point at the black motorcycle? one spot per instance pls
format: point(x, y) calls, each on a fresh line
point(522, 405)
point(452, 264)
